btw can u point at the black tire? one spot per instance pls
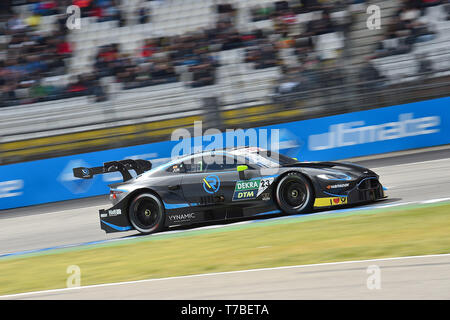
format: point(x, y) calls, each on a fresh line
point(146, 213)
point(294, 194)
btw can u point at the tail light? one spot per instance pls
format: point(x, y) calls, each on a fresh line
point(113, 194)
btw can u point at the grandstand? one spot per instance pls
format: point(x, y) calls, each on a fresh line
point(133, 72)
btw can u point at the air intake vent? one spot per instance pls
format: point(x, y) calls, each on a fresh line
point(368, 183)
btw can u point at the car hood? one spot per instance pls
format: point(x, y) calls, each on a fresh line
point(346, 167)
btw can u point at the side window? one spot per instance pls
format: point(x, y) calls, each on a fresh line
point(198, 164)
point(227, 163)
point(195, 164)
point(176, 168)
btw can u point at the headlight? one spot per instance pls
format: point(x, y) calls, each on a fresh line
point(334, 176)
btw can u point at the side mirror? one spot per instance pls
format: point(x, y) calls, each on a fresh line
point(241, 169)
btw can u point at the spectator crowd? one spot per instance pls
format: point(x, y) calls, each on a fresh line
point(410, 25)
point(32, 59)
point(162, 60)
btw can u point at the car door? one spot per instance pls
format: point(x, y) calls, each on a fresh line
point(192, 182)
point(224, 169)
point(216, 183)
point(203, 190)
point(203, 187)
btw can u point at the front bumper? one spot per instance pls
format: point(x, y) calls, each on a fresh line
point(366, 190)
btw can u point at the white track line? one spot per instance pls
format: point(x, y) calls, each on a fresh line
point(412, 163)
point(398, 153)
point(217, 273)
point(11, 215)
point(435, 200)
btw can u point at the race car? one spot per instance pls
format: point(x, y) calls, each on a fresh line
point(227, 184)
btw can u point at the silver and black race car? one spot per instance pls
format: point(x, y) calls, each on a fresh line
point(227, 184)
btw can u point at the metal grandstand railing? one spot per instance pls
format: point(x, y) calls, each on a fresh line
point(151, 113)
point(295, 106)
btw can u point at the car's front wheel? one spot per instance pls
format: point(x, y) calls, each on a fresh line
point(146, 213)
point(294, 194)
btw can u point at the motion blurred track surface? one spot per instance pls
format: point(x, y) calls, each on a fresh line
point(421, 277)
point(409, 178)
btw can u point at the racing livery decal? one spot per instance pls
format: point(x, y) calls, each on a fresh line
point(250, 189)
point(182, 217)
point(338, 186)
point(331, 201)
point(211, 183)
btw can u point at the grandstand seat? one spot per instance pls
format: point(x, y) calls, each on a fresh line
point(236, 81)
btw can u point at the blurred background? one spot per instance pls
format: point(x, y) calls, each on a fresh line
point(135, 70)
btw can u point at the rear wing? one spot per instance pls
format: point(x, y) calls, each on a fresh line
point(122, 166)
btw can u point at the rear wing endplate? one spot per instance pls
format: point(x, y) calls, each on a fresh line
point(122, 166)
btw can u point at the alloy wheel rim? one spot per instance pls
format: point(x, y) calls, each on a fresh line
point(294, 194)
point(146, 213)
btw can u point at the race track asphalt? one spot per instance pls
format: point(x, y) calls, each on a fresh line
point(421, 277)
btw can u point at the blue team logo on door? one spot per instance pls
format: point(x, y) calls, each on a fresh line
point(211, 183)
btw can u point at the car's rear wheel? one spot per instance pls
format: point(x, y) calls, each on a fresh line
point(294, 194)
point(146, 213)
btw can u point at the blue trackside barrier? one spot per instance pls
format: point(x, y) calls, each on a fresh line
point(402, 127)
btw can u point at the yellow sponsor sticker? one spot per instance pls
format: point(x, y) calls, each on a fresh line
point(331, 201)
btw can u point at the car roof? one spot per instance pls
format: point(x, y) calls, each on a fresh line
point(235, 151)
point(231, 151)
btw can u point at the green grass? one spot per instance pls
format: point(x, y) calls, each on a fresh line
point(315, 239)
